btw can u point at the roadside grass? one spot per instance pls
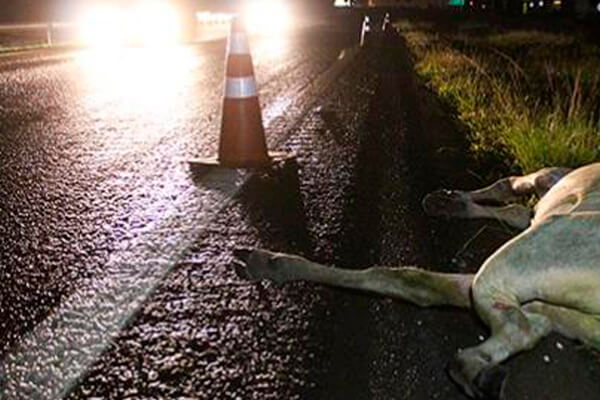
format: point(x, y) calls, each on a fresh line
point(529, 97)
point(10, 41)
point(13, 49)
point(23, 41)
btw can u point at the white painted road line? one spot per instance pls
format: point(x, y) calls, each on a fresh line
point(49, 360)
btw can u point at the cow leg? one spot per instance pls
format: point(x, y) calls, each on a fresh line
point(510, 189)
point(421, 287)
point(507, 279)
point(459, 204)
point(513, 330)
point(475, 204)
point(464, 204)
point(571, 323)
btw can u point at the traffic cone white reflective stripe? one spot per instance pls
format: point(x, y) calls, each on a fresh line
point(240, 88)
point(242, 142)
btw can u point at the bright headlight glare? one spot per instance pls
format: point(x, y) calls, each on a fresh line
point(267, 16)
point(148, 23)
point(102, 25)
point(156, 23)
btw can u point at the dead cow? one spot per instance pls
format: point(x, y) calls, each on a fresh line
point(545, 279)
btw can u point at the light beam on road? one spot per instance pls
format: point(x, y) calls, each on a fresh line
point(141, 84)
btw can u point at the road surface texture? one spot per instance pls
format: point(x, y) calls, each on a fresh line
point(368, 148)
point(97, 201)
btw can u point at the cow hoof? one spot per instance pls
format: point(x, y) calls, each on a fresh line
point(252, 264)
point(490, 382)
point(487, 385)
point(240, 262)
point(257, 264)
point(456, 369)
point(445, 203)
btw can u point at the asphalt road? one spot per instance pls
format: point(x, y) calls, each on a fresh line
point(97, 201)
point(117, 260)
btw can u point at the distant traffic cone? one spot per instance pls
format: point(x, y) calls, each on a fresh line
point(242, 142)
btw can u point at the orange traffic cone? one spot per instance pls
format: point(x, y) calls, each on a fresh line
point(242, 142)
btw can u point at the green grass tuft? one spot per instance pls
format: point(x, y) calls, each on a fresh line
point(528, 96)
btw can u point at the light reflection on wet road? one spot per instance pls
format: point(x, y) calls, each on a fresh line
point(96, 201)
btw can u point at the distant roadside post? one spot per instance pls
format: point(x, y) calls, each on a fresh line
point(365, 29)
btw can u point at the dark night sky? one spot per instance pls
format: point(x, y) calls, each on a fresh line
point(59, 10)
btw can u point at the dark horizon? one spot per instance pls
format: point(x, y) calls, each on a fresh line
point(64, 10)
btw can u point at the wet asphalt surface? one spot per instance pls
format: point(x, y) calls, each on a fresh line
point(93, 147)
point(89, 174)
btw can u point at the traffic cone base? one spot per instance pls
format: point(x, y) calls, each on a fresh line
point(273, 157)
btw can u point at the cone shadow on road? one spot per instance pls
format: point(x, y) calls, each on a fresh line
point(272, 202)
point(218, 179)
